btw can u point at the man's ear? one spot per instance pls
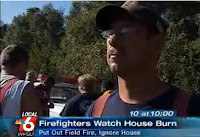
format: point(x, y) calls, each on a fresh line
point(158, 40)
point(21, 65)
point(81, 88)
point(18, 66)
point(157, 45)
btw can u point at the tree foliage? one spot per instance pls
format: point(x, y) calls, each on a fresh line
point(179, 63)
point(41, 31)
point(3, 30)
point(83, 48)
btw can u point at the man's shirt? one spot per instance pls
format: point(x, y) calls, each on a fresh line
point(116, 107)
point(78, 105)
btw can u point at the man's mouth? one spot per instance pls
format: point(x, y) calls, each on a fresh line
point(113, 55)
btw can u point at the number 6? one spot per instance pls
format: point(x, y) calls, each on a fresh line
point(32, 126)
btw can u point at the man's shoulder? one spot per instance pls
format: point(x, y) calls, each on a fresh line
point(194, 105)
point(75, 98)
point(111, 94)
point(78, 99)
point(5, 79)
point(189, 100)
point(82, 96)
point(195, 99)
point(192, 101)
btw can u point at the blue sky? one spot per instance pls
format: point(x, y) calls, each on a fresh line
point(9, 9)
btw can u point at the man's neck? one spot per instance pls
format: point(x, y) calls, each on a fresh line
point(8, 72)
point(140, 87)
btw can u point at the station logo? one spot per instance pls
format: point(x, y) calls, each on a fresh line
point(27, 124)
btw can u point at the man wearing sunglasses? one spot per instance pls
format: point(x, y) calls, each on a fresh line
point(135, 37)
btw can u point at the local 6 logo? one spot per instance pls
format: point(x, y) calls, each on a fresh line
point(27, 124)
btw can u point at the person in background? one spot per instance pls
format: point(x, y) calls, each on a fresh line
point(108, 86)
point(17, 95)
point(14, 62)
point(78, 105)
point(31, 76)
point(45, 91)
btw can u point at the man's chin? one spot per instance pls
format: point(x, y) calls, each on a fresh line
point(115, 69)
point(119, 71)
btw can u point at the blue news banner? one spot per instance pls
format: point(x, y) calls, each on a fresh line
point(140, 124)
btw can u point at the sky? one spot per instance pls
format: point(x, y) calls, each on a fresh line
point(9, 9)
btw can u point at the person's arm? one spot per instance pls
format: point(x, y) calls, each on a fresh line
point(30, 100)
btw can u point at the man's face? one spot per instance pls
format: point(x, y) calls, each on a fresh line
point(128, 47)
point(81, 88)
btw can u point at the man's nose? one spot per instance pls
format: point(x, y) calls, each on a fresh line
point(113, 40)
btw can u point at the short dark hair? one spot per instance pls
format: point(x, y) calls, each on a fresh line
point(14, 54)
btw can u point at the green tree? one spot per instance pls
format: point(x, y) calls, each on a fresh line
point(83, 49)
point(18, 32)
point(3, 30)
point(179, 63)
point(42, 30)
